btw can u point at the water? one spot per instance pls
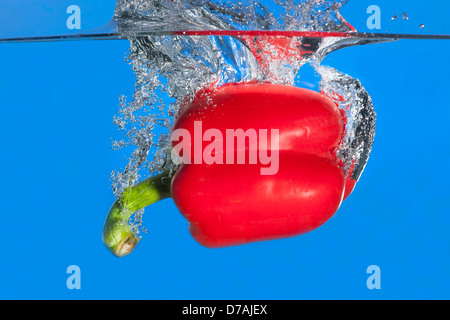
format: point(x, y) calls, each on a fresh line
point(171, 68)
point(287, 15)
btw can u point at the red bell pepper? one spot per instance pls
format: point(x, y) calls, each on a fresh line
point(236, 203)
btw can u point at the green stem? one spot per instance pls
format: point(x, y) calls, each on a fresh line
point(118, 235)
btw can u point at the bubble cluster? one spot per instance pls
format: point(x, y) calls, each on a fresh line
point(170, 69)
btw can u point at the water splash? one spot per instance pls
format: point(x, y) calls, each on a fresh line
point(360, 115)
point(170, 69)
point(284, 15)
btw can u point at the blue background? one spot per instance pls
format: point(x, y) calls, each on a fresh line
point(57, 104)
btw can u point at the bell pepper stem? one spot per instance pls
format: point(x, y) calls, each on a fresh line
point(118, 234)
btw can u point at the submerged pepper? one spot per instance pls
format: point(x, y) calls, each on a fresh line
point(258, 162)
